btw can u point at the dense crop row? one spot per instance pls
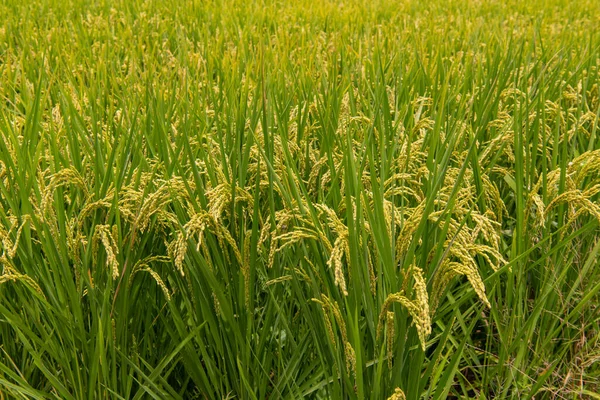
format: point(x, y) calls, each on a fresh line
point(268, 199)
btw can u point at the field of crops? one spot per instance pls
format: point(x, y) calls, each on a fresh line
point(264, 199)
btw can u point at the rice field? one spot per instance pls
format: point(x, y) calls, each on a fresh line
point(263, 199)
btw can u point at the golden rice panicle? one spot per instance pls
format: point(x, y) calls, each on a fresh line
point(218, 198)
point(222, 233)
point(10, 248)
point(104, 235)
point(372, 275)
point(22, 278)
point(327, 320)
point(285, 278)
point(335, 262)
point(534, 199)
point(408, 229)
point(5, 238)
point(390, 333)
point(392, 298)
point(288, 239)
point(491, 255)
point(583, 168)
point(158, 280)
point(216, 303)
point(350, 356)
point(340, 248)
point(422, 303)
point(578, 200)
point(348, 349)
point(269, 233)
point(333, 307)
point(314, 174)
point(10, 274)
point(179, 249)
point(152, 205)
point(587, 165)
point(3, 171)
point(67, 176)
point(397, 395)
point(315, 271)
point(144, 266)
point(493, 197)
point(421, 321)
point(75, 241)
point(447, 272)
point(264, 235)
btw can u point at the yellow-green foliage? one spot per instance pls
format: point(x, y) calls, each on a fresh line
point(179, 179)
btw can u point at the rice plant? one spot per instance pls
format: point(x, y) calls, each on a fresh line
point(260, 199)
